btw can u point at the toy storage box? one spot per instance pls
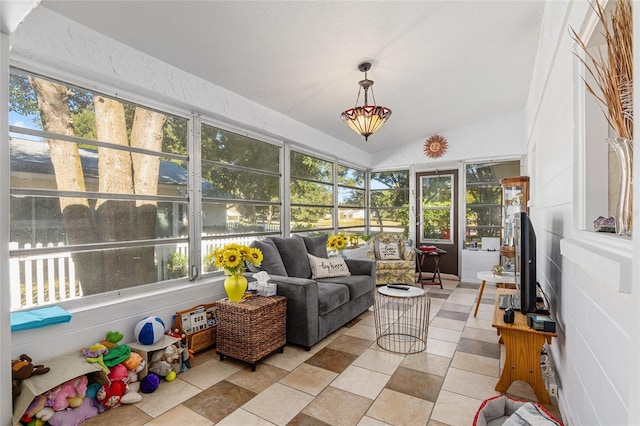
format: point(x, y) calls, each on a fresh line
point(63, 368)
point(146, 351)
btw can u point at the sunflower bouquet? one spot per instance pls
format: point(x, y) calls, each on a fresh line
point(232, 258)
point(337, 242)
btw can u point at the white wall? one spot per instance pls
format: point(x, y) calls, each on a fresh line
point(587, 275)
point(498, 137)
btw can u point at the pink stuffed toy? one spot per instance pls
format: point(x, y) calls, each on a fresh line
point(73, 417)
point(72, 390)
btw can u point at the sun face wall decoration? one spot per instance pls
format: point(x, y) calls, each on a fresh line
point(435, 146)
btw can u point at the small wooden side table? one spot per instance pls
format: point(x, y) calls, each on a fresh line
point(252, 329)
point(420, 256)
point(523, 346)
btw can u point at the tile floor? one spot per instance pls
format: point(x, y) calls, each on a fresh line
point(346, 379)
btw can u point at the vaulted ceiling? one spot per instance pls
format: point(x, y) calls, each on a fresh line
point(439, 65)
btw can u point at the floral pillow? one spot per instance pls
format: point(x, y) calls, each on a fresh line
point(387, 250)
point(328, 268)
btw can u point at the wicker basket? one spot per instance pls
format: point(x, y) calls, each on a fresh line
point(252, 329)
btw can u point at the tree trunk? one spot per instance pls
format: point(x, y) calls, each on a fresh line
point(120, 172)
point(76, 212)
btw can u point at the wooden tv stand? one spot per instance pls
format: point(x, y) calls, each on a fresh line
point(523, 346)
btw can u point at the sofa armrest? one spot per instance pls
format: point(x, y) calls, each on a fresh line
point(302, 308)
point(362, 267)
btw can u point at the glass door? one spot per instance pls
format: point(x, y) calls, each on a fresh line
point(437, 221)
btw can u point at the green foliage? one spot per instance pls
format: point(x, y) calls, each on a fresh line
point(177, 265)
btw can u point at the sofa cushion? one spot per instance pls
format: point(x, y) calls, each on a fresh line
point(331, 296)
point(271, 262)
point(357, 284)
point(294, 256)
point(316, 246)
point(325, 268)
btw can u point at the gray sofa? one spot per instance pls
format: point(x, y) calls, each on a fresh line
point(315, 307)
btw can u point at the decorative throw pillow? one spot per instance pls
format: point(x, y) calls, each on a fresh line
point(328, 268)
point(294, 256)
point(271, 262)
point(316, 246)
point(387, 250)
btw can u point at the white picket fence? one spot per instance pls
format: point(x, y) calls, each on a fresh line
point(51, 278)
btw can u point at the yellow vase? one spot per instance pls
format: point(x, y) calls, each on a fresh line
point(235, 286)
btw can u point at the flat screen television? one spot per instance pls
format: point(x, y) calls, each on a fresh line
point(525, 262)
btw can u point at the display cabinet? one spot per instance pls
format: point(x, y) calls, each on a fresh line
point(515, 196)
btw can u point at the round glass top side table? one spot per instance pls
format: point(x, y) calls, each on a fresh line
point(501, 281)
point(402, 319)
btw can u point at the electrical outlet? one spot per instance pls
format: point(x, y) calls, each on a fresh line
point(553, 390)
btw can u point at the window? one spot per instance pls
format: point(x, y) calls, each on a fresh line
point(483, 198)
point(103, 193)
point(389, 205)
point(436, 195)
point(311, 189)
point(98, 197)
point(240, 188)
point(351, 200)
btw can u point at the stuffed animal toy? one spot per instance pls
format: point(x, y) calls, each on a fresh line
point(73, 417)
point(22, 369)
point(69, 394)
point(110, 394)
point(163, 362)
point(133, 362)
point(132, 395)
point(149, 383)
point(112, 339)
point(95, 353)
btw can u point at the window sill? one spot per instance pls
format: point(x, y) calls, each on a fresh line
point(606, 257)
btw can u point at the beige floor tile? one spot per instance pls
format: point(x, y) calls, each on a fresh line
point(482, 324)
point(369, 421)
point(180, 415)
point(490, 336)
point(361, 381)
point(447, 323)
point(257, 381)
point(396, 408)
point(456, 307)
point(427, 363)
point(242, 417)
point(337, 407)
point(440, 347)
point(381, 361)
point(476, 363)
point(445, 334)
point(309, 378)
point(167, 396)
point(211, 372)
point(278, 403)
point(290, 359)
point(470, 384)
point(363, 331)
point(454, 409)
point(522, 390)
point(115, 417)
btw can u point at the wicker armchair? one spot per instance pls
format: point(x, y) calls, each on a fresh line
point(395, 261)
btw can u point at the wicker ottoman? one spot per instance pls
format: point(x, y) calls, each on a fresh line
point(252, 329)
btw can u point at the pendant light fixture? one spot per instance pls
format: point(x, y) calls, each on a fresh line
point(366, 119)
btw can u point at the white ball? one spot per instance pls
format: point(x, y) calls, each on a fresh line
point(149, 330)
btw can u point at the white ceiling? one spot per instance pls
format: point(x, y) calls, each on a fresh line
point(438, 65)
